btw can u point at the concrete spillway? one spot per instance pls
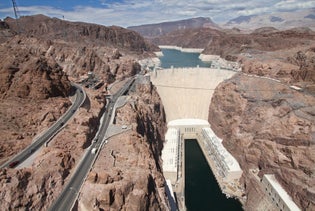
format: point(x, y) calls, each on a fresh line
point(187, 92)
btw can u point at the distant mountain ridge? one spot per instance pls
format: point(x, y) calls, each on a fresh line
point(41, 26)
point(279, 20)
point(159, 29)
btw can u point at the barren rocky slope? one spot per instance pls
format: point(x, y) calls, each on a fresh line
point(127, 176)
point(35, 66)
point(28, 82)
point(189, 38)
point(43, 27)
point(35, 63)
point(269, 126)
point(230, 43)
point(36, 186)
point(259, 41)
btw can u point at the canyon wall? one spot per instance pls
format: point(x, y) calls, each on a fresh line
point(128, 175)
point(269, 126)
point(36, 68)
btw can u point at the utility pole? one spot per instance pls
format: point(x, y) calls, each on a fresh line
point(16, 13)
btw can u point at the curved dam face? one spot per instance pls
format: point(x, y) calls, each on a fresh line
point(187, 92)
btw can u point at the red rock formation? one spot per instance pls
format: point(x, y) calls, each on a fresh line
point(189, 38)
point(47, 28)
point(27, 81)
point(269, 126)
point(36, 63)
point(27, 75)
point(127, 175)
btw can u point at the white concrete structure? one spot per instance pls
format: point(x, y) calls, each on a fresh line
point(187, 92)
point(226, 164)
point(170, 154)
point(186, 95)
point(277, 194)
point(181, 129)
point(189, 128)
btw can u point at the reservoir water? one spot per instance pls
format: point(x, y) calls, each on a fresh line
point(177, 58)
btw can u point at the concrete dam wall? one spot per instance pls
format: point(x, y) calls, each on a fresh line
point(187, 92)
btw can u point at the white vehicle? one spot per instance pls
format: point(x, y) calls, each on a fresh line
point(124, 127)
point(94, 150)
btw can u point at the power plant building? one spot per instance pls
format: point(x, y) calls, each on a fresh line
point(170, 154)
point(226, 164)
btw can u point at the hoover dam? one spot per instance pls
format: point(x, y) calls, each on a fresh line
point(186, 92)
point(186, 95)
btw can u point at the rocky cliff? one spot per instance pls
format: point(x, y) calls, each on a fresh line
point(267, 125)
point(26, 73)
point(36, 66)
point(127, 175)
point(109, 52)
point(258, 42)
point(36, 63)
point(188, 38)
point(29, 82)
point(229, 44)
point(43, 27)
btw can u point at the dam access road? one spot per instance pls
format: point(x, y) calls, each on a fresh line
point(68, 196)
point(50, 132)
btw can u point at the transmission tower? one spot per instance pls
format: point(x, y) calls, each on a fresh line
point(16, 13)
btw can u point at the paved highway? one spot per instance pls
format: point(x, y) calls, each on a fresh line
point(50, 133)
point(67, 198)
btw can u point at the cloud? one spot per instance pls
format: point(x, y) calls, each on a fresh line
point(289, 5)
point(136, 12)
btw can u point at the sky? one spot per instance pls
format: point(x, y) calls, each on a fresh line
point(137, 12)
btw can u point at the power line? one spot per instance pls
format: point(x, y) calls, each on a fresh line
point(209, 89)
point(17, 15)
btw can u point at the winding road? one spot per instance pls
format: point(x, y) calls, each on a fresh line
point(67, 198)
point(50, 132)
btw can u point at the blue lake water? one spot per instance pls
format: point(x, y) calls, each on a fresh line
point(177, 58)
